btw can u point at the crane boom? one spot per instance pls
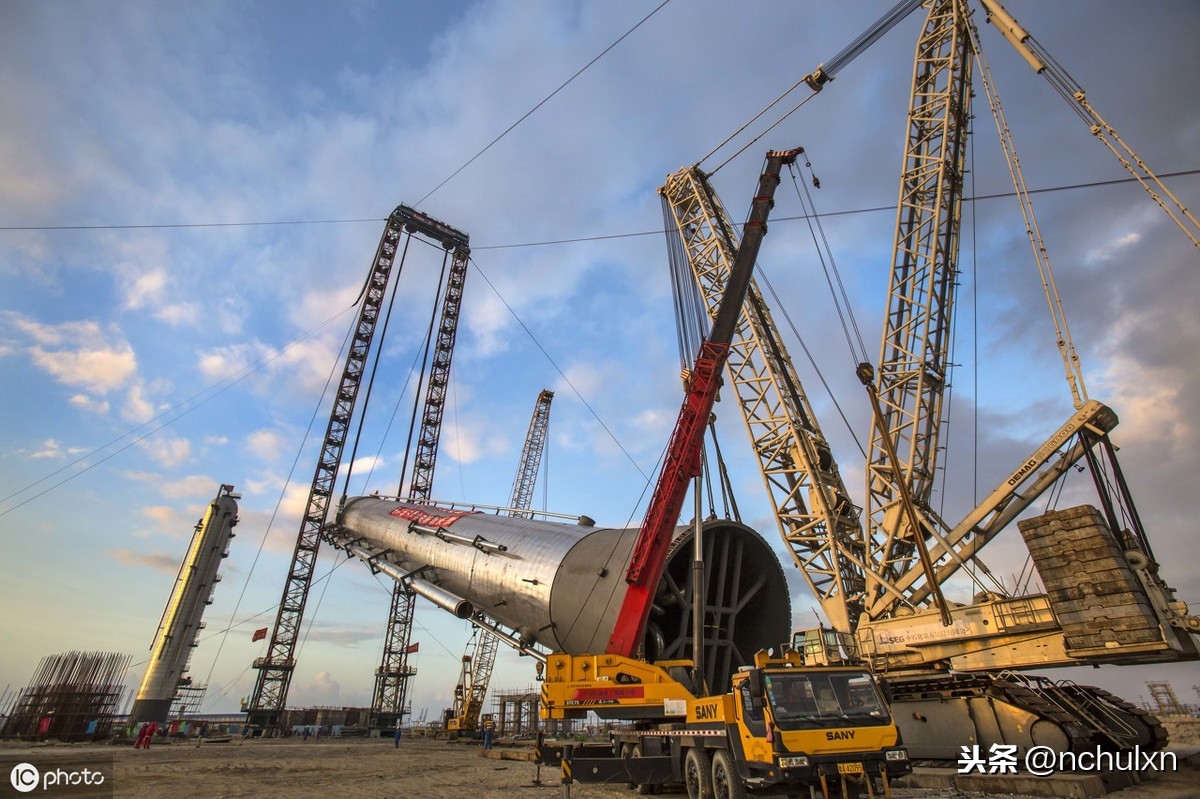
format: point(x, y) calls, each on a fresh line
point(913, 359)
point(531, 456)
point(683, 456)
point(817, 520)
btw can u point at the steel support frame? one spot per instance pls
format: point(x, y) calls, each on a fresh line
point(391, 684)
point(275, 669)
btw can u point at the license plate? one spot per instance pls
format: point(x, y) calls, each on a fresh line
point(850, 768)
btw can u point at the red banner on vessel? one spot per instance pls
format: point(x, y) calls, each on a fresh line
point(429, 517)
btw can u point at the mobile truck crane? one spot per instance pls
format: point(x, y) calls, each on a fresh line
point(802, 720)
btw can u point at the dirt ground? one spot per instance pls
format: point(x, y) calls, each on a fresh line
point(349, 768)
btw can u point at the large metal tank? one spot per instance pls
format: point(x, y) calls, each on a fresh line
point(561, 585)
point(182, 618)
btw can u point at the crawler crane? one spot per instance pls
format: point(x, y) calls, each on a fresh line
point(952, 671)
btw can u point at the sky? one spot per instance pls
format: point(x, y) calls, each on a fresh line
point(192, 195)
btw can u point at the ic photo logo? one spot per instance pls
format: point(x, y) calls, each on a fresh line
point(25, 777)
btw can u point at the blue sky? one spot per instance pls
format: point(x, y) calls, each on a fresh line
point(122, 116)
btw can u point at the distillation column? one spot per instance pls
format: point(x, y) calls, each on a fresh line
point(181, 620)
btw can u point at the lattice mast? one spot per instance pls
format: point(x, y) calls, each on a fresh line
point(816, 518)
point(531, 456)
point(391, 678)
point(913, 361)
point(275, 669)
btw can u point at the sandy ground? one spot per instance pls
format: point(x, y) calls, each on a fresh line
point(373, 768)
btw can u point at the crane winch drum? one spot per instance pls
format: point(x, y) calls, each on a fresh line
point(560, 585)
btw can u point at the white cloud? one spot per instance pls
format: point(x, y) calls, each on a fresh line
point(170, 520)
point(193, 486)
point(470, 440)
point(265, 445)
point(1112, 246)
point(84, 402)
point(159, 561)
point(300, 368)
point(148, 287)
point(323, 689)
point(180, 313)
point(81, 354)
point(137, 407)
point(52, 449)
point(368, 463)
point(100, 370)
point(1149, 403)
point(167, 450)
point(224, 362)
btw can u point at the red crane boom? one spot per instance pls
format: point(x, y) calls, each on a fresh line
point(682, 463)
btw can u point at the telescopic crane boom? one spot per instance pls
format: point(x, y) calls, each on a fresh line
point(683, 457)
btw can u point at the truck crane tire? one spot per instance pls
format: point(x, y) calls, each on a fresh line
point(697, 774)
point(725, 780)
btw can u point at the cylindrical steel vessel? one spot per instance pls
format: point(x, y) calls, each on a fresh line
point(561, 585)
point(181, 620)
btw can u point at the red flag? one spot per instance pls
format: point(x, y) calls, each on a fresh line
point(259, 635)
point(412, 648)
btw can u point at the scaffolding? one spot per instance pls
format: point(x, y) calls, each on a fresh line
point(188, 698)
point(72, 697)
point(1165, 700)
point(517, 714)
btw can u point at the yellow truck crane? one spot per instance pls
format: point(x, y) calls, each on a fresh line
point(794, 722)
point(791, 725)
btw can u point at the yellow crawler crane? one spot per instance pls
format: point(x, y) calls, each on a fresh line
point(953, 672)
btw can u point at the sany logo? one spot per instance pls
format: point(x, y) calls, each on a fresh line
point(24, 777)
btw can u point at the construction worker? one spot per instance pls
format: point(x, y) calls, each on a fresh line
point(489, 730)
